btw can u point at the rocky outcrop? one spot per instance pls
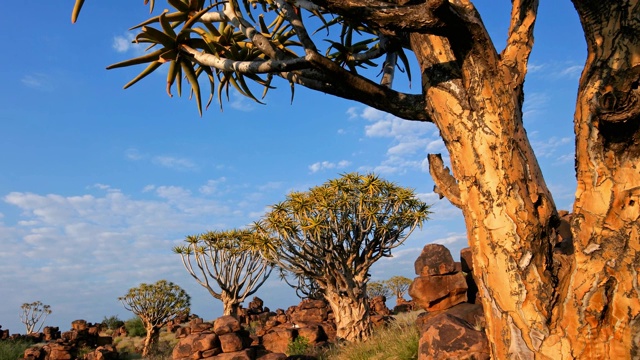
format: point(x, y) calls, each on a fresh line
point(4, 334)
point(403, 306)
point(452, 327)
point(439, 284)
point(224, 339)
point(445, 336)
point(66, 346)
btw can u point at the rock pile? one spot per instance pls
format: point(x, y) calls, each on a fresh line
point(66, 346)
point(270, 336)
point(451, 327)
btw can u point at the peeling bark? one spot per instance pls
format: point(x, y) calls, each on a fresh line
point(474, 99)
point(151, 340)
point(351, 315)
point(586, 306)
point(599, 317)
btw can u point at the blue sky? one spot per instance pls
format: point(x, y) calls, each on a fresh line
point(98, 183)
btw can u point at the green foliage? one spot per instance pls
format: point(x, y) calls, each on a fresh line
point(135, 327)
point(398, 285)
point(378, 288)
point(341, 228)
point(13, 349)
point(226, 263)
point(299, 346)
point(33, 314)
point(156, 303)
point(112, 322)
point(231, 44)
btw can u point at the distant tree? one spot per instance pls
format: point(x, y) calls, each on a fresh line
point(155, 304)
point(333, 233)
point(112, 322)
point(398, 285)
point(378, 288)
point(34, 314)
point(226, 259)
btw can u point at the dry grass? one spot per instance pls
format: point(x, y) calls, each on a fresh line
point(397, 341)
point(130, 347)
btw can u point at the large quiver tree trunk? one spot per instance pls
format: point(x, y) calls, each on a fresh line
point(474, 96)
point(599, 316)
point(587, 305)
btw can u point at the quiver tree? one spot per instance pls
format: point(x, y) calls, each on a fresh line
point(378, 288)
point(335, 232)
point(225, 264)
point(398, 285)
point(33, 314)
point(577, 301)
point(156, 304)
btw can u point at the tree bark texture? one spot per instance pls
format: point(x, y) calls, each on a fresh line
point(600, 311)
point(151, 340)
point(351, 316)
point(586, 307)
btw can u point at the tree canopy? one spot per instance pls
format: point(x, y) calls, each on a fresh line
point(156, 304)
point(226, 259)
point(33, 315)
point(333, 234)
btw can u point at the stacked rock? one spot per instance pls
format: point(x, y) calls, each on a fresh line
point(439, 285)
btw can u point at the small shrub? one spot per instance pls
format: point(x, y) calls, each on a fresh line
point(253, 327)
point(13, 349)
point(112, 322)
point(135, 327)
point(299, 346)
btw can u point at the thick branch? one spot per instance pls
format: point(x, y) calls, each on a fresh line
point(520, 40)
point(345, 84)
point(446, 184)
point(247, 67)
point(390, 17)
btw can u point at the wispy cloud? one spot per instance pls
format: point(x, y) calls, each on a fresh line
point(411, 141)
point(549, 147)
point(555, 70)
point(242, 103)
point(126, 43)
point(212, 186)
point(38, 81)
point(327, 165)
point(175, 163)
point(134, 154)
point(166, 161)
point(105, 240)
point(534, 105)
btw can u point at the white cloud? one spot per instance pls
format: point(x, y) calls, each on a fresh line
point(555, 70)
point(451, 238)
point(134, 154)
point(212, 186)
point(126, 43)
point(94, 247)
point(37, 81)
point(534, 105)
point(548, 148)
point(327, 165)
point(572, 71)
point(174, 163)
point(242, 103)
